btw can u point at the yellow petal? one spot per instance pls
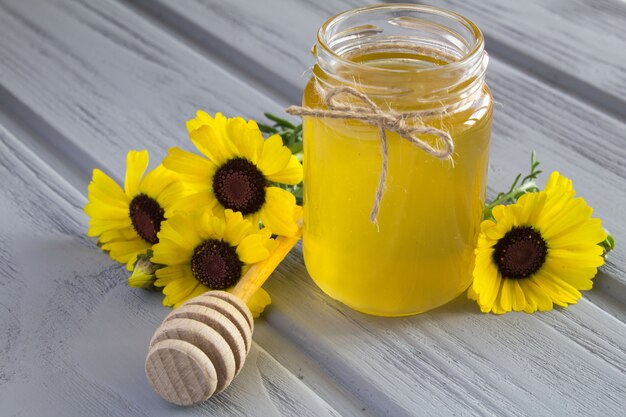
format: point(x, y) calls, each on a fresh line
point(209, 226)
point(136, 164)
point(578, 277)
point(202, 118)
point(201, 131)
point(212, 142)
point(530, 207)
point(191, 167)
point(499, 212)
point(171, 273)
point(236, 227)
point(274, 156)
point(531, 303)
point(156, 180)
point(252, 249)
point(590, 258)
point(558, 182)
point(569, 294)
point(493, 233)
point(487, 281)
point(124, 252)
point(99, 226)
point(97, 210)
point(519, 299)
point(246, 137)
point(506, 295)
point(543, 300)
point(269, 243)
point(169, 196)
point(194, 201)
point(257, 303)
point(178, 291)
point(102, 187)
point(590, 232)
point(200, 289)
point(487, 224)
point(290, 174)
point(559, 292)
point(181, 230)
point(167, 252)
point(277, 212)
point(570, 217)
point(484, 268)
point(127, 233)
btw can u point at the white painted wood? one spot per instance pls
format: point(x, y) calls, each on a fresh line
point(457, 360)
point(85, 81)
point(577, 45)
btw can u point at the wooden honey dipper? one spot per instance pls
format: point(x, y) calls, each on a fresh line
point(201, 346)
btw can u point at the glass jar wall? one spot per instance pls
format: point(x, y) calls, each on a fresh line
point(418, 254)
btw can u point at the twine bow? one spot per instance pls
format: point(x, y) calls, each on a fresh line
point(386, 120)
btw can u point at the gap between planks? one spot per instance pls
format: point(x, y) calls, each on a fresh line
point(568, 84)
point(245, 68)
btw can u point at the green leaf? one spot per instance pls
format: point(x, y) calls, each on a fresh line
point(266, 129)
point(279, 121)
point(608, 245)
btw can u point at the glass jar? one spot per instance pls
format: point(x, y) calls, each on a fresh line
point(418, 254)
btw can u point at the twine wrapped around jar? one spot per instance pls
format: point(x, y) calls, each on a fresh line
point(386, 120)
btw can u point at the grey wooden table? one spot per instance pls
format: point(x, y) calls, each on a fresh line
point(81, 82)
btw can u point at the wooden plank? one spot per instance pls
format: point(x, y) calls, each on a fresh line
point(76, 335)
point(455, 360)
point(98, 80)
point(577, 45)
point(450, 360)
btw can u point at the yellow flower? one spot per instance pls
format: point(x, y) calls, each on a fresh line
point(538, 252)
point(237, 171)
point(203, 252)
point(127, 221)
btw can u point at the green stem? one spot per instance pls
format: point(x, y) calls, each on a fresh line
point(510, 197)
point(609, 243)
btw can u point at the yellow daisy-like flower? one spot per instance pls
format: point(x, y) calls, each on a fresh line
point(127, 221)
point(540, 251)
point(202, 252)
point(237, 171)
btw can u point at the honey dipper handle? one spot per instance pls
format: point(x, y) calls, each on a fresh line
point(258, 273)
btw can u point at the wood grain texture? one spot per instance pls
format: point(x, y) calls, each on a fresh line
point(84, 81)
point(455, 360)
point(577, 45)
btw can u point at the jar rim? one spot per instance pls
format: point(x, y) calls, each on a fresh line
point(476, 51)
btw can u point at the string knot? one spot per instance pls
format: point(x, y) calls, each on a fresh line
point(364, 109)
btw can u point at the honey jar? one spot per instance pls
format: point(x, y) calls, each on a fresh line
point(423, 67)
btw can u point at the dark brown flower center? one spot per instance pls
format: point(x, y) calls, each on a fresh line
point(216, 264)
point(520, 253)
point(146, 216)
point(240, 186)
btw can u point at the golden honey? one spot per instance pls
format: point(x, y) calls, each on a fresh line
point(419, 253)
